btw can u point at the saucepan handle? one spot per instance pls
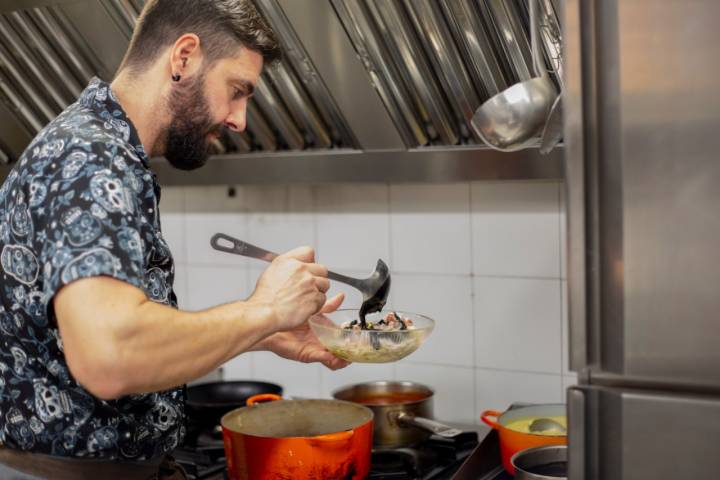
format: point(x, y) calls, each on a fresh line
point(487, 414)
point(437, 428)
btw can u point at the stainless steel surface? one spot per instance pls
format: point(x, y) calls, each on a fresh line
point(511, 37)
point(511, 119)
point(639, 435)
point(4, 158)
point(406, 51)
point(477, 50)
point(446, 59)
point(312, 103)
point(439, 165)
point(375, 288)
point(437, 61)
point(579, 130)
point(553, 130)
point(650, 181)
point(387, 432)
point(528, 462)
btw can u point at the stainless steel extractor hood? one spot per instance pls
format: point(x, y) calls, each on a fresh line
point(367, 90)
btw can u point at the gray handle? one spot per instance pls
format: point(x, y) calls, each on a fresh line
point(228, 244)
point(436, 428)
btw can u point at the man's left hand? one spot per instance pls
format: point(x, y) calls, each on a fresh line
point(301, 345)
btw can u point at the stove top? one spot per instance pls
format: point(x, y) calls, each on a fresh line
point(435, 459)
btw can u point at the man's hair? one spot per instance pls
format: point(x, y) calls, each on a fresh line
point(223, 26)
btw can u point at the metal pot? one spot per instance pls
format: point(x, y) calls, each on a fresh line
point(208, 402)
point(298, 439)
point(541, 463)
point(403, 411)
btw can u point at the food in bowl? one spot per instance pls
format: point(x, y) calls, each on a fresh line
point(522, 425)
point(392, 322)
point(385, 342)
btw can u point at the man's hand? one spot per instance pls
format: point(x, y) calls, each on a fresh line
point(294, 287)
point(301, 345)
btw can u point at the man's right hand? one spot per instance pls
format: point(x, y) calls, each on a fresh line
point(293, 286)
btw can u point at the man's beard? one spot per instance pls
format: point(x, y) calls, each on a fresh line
point(186, 142)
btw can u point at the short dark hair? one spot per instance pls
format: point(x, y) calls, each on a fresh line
point(223, 26)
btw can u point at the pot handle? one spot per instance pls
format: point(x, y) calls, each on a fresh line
point(333, 437)
point(262, 398)
point(485, 417)
point(437, 428)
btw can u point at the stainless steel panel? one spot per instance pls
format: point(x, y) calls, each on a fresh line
point(384, 74)
point(14, 5)
point(446, 60)
point(26, 58)
point(275, 111)
point(511, 37)
point(579, 123)
point(637, 435)
point(651, 182)
point(431, 165)
point(303, 87)
point(417, 74)
point(478, 51)
point(13, 73)
point(342, 74)
point(260, 129)
point(14, 136)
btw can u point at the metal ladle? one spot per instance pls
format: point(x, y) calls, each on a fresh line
point(375, 288)
point(546, 425)
point(511, 119)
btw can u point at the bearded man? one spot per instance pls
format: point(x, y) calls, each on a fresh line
point(95, 352)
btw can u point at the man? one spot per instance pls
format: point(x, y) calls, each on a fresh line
point(94, 351)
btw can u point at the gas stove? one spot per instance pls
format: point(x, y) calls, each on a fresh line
point(435, 459)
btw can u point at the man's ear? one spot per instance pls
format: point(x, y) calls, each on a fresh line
point(186, 56)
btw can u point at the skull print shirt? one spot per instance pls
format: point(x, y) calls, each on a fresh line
point(81, 202)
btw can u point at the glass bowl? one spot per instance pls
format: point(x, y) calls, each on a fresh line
point(369, 346)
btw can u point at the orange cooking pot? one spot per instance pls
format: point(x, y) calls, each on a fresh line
point(513, 429)
point(308, 439)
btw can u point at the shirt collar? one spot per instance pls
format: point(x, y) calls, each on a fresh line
point(99, 97)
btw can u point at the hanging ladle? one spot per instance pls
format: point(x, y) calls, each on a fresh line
point(375, 288)
point(511, 119)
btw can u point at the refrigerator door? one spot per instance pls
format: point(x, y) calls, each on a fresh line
point(634, 435)
point(643, 176)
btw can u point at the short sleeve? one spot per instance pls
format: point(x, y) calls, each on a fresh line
point(92, 223)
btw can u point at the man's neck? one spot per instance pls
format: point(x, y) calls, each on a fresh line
point(141, 99)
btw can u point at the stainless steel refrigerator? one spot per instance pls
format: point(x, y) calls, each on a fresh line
point(642, 134)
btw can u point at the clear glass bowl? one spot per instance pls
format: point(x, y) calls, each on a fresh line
point(369, 346)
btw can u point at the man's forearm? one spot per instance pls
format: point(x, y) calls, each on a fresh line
point(163, 347)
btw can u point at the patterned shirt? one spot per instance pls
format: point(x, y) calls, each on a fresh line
point(81, 202)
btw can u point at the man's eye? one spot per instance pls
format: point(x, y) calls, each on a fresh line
point(238, 93)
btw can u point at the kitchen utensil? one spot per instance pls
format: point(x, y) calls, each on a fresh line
point(541, 463)
point(208, 402)
point(513, 441)
point(369, 346)
point(375, 288)
point(511, 119)
point(547, 425)
point(403, 411)
point(553, 129)
point(298, 439)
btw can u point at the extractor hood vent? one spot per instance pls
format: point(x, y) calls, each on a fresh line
point(434, 62)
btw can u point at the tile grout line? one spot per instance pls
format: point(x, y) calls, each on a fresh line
point(472, 298)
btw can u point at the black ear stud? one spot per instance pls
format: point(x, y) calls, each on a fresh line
point(176, 78)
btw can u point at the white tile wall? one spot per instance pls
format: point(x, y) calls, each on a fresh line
point(353, 226)
point(495, 288)
point(430, 228)
point(516, 229)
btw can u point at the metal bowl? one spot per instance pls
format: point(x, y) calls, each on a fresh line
point(369, 346)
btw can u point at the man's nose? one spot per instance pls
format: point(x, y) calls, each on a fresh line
point(237, 119)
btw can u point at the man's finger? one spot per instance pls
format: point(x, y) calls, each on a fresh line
point(322, 284)
point(304, 254)
point(333, 304)
point(317, 269)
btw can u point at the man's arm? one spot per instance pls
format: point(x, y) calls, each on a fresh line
point(118, 342)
